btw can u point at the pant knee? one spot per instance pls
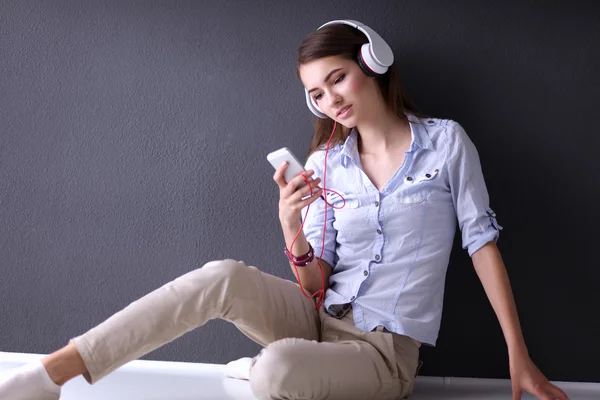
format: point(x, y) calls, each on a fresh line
point(280, 372)
point(227, 266)
point(227, 270)
point(221, 280)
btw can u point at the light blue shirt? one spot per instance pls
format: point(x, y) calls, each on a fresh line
point(390, 249)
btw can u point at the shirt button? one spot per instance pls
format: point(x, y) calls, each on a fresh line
point(376, 204)
point(409, 178)
point(428, 175)
point(379, 231)
point(365, 273)
point(352, 298)
point(377, 257)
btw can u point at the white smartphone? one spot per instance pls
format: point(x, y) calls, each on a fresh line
point(294, 167)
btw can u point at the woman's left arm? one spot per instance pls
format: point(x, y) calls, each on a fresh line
point(525, 376)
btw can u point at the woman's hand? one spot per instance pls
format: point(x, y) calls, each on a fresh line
point(526, 377)
point(291, 194)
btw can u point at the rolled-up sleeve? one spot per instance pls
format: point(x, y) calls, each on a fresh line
point(314, 221)
point(476, 220)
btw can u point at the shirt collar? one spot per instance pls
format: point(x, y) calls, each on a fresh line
point(420, 137)
point(418, 133)
point(350, 148)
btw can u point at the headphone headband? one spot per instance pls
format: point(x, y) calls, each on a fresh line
point(380, 49)
point(374, 57)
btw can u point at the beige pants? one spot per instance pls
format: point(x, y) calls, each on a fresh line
point(307, 354)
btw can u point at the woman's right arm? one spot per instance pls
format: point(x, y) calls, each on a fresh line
point(310, 275)
point(290, 208)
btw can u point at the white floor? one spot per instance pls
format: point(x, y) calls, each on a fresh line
point(155, 380)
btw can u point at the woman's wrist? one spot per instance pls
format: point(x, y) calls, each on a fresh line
point(291, 226)
point(300, 260)
point(518, 349)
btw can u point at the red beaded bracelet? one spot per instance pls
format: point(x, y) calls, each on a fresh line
point(301, 261)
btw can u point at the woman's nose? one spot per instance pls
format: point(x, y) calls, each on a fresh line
point(334, 99)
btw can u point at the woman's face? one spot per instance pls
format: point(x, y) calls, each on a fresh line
point(340, 89)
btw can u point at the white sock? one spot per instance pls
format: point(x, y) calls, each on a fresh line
point(29, 382)
point(239, 369)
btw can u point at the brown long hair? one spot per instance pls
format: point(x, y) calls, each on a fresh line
point(345, 41)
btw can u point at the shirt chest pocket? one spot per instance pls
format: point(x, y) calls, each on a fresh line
point(422, 178)
point(409, 199)
point(425, 186)
point(345, 201)
point(351, 214)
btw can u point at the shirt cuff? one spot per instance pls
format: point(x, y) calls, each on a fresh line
point(483, 240)
point(328, 256)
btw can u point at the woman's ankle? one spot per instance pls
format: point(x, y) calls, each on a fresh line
point(64, 364)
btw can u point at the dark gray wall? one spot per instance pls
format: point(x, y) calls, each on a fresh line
point(133, 137)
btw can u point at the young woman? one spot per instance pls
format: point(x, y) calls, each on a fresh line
point(377, 249)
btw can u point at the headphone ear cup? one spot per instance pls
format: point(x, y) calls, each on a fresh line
point(313, 107)
point(364, 66)
point(368, 63)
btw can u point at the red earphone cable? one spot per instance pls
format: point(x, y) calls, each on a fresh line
point(321, 292)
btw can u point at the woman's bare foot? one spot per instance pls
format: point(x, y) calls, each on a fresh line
point(239, 369)
point(29, 382)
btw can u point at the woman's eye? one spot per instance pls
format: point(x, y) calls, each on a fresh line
point(339, 79)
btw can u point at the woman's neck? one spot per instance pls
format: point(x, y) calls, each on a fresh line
point(381, 136)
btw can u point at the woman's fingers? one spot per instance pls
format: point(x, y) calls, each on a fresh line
point(278, 176)
point(306, 190)
point(300, 181)
point(315, 196)
point(297, 182)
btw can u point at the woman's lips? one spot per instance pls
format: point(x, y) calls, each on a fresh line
point(344, 112)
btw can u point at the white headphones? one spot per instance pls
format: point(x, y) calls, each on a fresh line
point(374, 57)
